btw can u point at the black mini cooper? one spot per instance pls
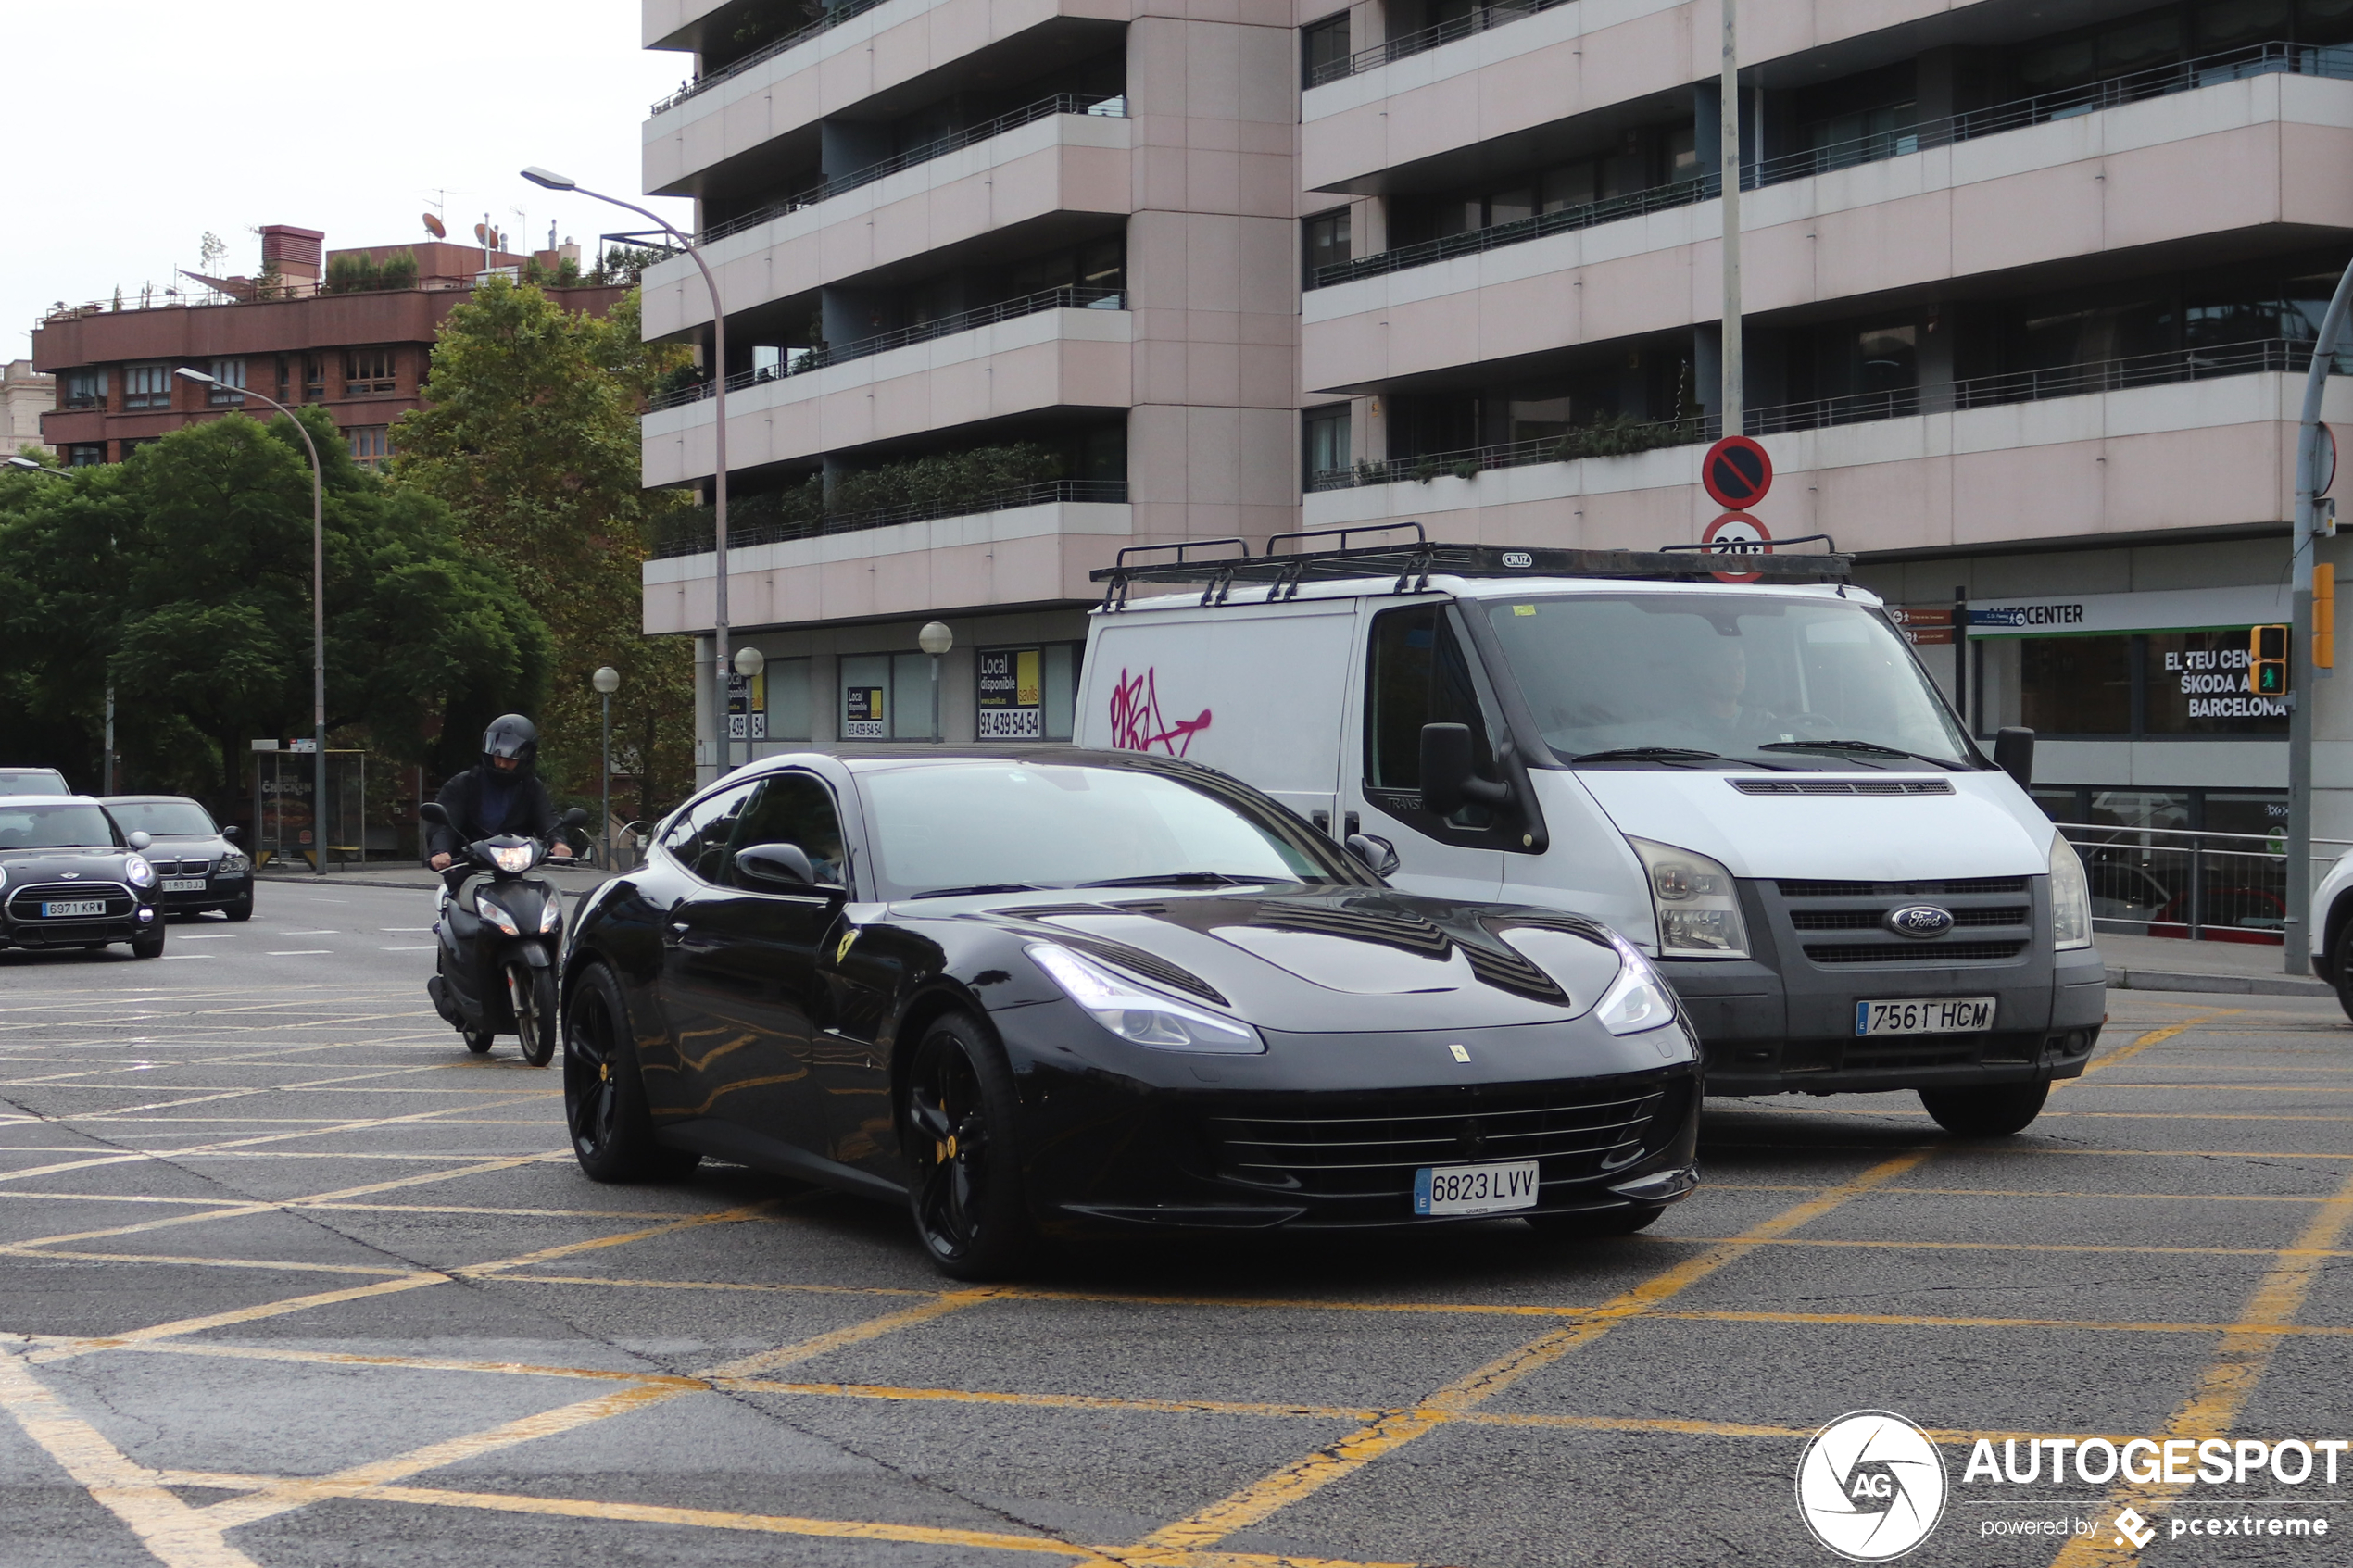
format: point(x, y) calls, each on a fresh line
point(70, 877)
point(1066, 992)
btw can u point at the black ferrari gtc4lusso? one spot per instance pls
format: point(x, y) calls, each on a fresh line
point(1061, 993)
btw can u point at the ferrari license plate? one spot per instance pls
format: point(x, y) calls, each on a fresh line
point(183, 884)
point(67, 909)
point(1931, 1015)
point(1475, 1189)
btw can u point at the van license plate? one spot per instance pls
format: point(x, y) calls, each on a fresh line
point(76, 907)
point(1475, 1189)
point(1931, 1015)
point(183, 884)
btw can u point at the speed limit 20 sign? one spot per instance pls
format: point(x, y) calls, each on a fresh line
point(1737, 533)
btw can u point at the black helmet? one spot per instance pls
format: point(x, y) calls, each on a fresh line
point(512, 735)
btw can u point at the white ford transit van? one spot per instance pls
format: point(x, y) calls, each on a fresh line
point(1755, 782)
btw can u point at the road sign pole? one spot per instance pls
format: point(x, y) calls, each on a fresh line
point(2299, 662)
point(1727, 131)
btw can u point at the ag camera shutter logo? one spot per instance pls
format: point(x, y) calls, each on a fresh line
point(1870, 1486)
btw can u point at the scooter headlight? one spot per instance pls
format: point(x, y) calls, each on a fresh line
point(497, 916)
point(513, 858)
point(551, 915)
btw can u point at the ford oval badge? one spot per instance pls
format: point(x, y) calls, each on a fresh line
point(1921, 921)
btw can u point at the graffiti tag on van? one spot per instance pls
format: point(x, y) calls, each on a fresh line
point(1136, 722)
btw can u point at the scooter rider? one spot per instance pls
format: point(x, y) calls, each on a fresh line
point(503, 793)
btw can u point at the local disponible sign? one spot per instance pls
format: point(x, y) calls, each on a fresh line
point(862, 713)
point(1011, 694)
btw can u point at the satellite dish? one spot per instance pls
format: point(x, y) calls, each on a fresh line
point(432, 227)
point(482, 233)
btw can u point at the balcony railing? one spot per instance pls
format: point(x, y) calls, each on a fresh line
point(1819, 413)
point(2335, 63)
point(693, 533)
point(1114, 107)
point(800, 361)
point(832, 17)
point(1429, 38)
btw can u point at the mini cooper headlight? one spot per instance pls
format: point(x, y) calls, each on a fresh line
point(497, 916)
point(1140, 1016)
point(137, 873)
point(513, 857)
point(1637, 1000)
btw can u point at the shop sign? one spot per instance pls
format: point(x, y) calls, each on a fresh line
point(862, 713)
point(2163, 609)
point(1011, 694)
point(747, 707)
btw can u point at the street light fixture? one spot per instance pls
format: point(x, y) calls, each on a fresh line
point(935, 639)
point(750, 661)
point(548, 179)
point(607, 681)
point(317, 609)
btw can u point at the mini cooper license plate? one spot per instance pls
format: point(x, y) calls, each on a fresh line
point(1475, 1189)
point(67, 909)
point(183, 884)
point(1930, 1015)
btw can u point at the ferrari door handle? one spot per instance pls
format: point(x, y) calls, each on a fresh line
point(674, 932)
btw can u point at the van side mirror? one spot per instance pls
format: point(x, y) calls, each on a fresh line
point(1448, 779)
point(140, 839)
point(2014, 754)
point(434, 812)
point(776, 865)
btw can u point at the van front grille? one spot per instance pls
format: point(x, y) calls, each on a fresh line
point(1911, 952)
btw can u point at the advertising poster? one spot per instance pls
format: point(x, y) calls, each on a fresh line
point(747, 707)
point(862, 713)
point(1012, 705)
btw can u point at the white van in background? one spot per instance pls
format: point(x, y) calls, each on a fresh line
point(1755, 782)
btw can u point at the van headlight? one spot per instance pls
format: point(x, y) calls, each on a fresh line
point(1637, 1000)
point(1142, 1017)
point(1697, 903)
point(2070, 896)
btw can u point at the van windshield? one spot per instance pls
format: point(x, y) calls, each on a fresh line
point(1691, 680)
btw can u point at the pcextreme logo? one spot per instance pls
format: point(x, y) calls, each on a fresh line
point(1870, 1486)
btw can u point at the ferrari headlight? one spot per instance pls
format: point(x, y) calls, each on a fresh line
point(497, 916)
point(550, 915)
point(511, 858)
point(2070, 896)
point(137, 873)
point(1637, 1000)
point(1142, 1017)
point(1697, 904)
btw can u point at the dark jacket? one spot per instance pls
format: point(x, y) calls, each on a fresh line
point(529, 810)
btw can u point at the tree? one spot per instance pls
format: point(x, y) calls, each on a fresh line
point(183, 573)
point(529, 436)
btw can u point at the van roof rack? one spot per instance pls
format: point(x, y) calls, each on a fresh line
point(1414, 563)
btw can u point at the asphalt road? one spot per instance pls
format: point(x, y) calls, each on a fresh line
point(286, 1277)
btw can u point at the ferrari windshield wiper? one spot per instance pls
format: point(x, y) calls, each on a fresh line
point(978, 888)
point(1868, 748)
point(1185, 879)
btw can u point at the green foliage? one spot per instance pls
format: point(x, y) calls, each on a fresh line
point(1615, 436)
point(939, 485)
point(625, 264)
point(184, 575)
point(355, 273)
point(530, 437)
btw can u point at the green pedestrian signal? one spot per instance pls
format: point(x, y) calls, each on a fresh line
point(2266, 656)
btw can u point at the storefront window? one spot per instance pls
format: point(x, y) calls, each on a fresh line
point(885, 696)
point(2197, 684)
point(2076, 685)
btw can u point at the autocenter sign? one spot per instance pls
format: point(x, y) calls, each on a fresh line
point(2159, 610)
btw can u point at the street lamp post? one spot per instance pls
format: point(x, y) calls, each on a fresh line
point(106, 758)
point(606, 682)
point(554, 181)
point(318, 610)
point(935, 639)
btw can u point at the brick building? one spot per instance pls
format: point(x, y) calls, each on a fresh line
point(25, 395)
point(299, 331)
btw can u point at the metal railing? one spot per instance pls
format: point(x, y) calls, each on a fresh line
point(800, 361)
point(1429, 38)
point(2335, 63)
point(1112, 107)
point(2200, 886)
point(1610, 439)
point(832, 19)
point(693, 533)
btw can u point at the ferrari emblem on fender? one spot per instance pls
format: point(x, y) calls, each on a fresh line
point(1458, 1052)
point(847, 938)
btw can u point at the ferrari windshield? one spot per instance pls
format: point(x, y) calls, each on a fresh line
point(164, 818)
point(1689, 678)
point(990, 826)
point(25, 826)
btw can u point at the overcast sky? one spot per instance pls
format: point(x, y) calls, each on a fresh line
point(134, 128)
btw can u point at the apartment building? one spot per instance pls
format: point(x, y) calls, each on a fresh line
point(351, 331)
point(25, 395)
point(2030, 289)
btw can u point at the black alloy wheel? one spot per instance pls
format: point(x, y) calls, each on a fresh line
point(1994, 1111)
point(612, 1133)
point(533, 991)
point(964, 1186)
point(1597, 1223)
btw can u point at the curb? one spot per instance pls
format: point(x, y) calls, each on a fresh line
point(2234, 985)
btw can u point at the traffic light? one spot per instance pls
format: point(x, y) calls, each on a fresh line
point(2323, 616)
point(2267, 648)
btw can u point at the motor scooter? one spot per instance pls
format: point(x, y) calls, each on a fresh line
point(496, 935)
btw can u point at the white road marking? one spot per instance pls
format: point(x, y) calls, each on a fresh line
point(321, 931)
point(427, 947)
point(301, 953)
point(207, 937)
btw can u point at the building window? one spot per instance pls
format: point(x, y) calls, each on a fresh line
point(83, 389)
point(1027, 692)
point(147, 386)
point(2195, 683)
point(229, 383)
point(1323, 240)
point(2076, 685)
point(85, 455)
point(371, 445)
point(366, 371)
point(314, 378)
point(1326, 448)
point(1323, 49)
